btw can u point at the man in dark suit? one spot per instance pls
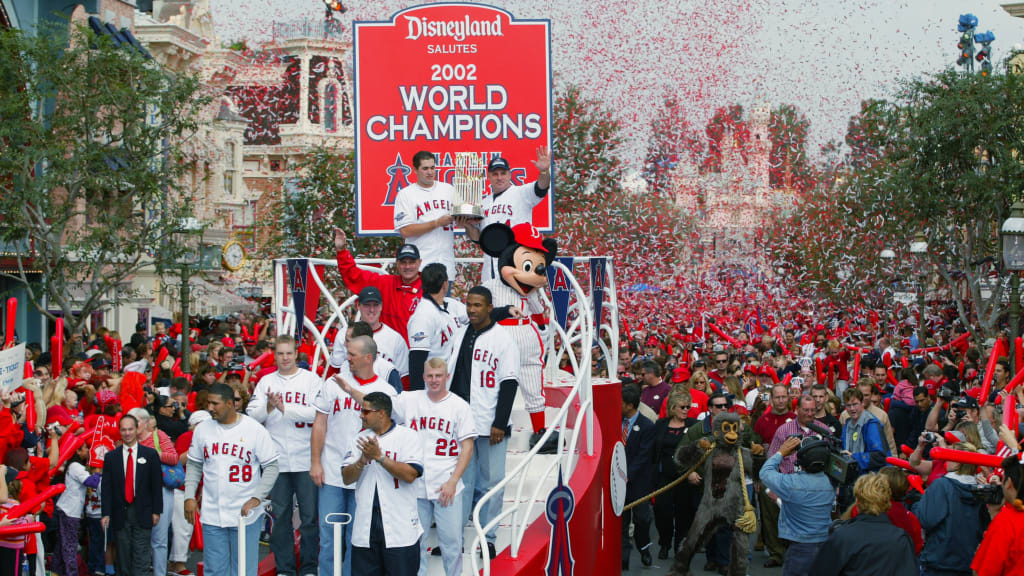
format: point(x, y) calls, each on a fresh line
point(638, 436)
point(132, 499)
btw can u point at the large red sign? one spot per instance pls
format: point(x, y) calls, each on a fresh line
point(447, 78)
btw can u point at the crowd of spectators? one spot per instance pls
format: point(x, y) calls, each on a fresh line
point(880, 400)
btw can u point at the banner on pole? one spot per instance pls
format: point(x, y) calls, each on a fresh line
point(12, 367)
point(560, 289)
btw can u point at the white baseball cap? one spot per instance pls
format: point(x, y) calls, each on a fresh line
point(198, 417)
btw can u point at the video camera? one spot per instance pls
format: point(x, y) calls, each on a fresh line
point(840, 468)
point(988, 494)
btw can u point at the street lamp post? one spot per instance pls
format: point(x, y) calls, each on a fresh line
point(920, 247)
point(1013, 260)
point(189, 227)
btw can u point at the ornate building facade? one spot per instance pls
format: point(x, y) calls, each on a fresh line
point(731, 202)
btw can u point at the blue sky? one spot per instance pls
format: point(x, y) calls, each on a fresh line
point(824, 56)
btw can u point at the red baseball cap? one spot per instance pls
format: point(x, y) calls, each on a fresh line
point(681, 374)
point(526, 235)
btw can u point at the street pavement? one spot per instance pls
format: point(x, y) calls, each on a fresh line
point(660, 567)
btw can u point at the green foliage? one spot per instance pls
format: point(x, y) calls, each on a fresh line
point(789, 168)
point(942, 160)
point(91, 164)
point(596, 215)
point(318, 199)
point(726, 120)
point(673, 141)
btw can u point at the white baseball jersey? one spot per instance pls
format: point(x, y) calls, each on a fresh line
point(398, 508)
point(392, 347)
point(343, 421)
point(441, 426)
point(527, 336)
point(292, 430)
point(432, 327)
point(495, 359)
point(381, 366)
point(416, 205)
point(232, 458)
point(513, 206)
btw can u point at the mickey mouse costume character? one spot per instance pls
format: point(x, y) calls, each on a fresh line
point(523, 257)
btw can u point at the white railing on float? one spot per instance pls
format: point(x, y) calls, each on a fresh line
point(560, 342)
point(580, 331)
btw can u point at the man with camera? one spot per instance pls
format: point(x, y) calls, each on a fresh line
point(807, 497)
point(964, 409)
point(919, 416)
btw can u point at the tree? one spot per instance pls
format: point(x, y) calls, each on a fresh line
point(92, 160)
point(673, 140)
point(788, 164)
point(321, 197)
point(942, 160)
point(596, 214)
point(727, 120)
point(866, 135)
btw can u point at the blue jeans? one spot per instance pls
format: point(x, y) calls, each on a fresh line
point(97, 544)
point(334, 499)
point(483, 473)
point(282, 539)
point(161, 535)
point(222, 544)
point(799, 558)
point(449, 520)
point(718, 548)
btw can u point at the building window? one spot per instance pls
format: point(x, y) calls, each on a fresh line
point(229, 183)
point(331, 108)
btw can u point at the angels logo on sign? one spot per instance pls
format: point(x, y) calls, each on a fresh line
point(805, 364)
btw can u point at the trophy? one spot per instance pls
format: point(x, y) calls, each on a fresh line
point(469, 181)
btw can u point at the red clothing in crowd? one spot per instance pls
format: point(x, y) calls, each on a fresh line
point(840, 362)
point(36, 481)
point(769, 422)
point(698, 401)
point(400, 300)
point(183, 442)
point(109, 426)
point(903, 518)
point(1001, 552)
point(168, 455)
point(60, 415)
point(11, 434)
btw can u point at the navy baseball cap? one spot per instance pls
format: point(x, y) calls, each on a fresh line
point(498, 163)
point(408, 251)
point(370, 294)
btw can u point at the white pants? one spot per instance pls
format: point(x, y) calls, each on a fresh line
point(181, 531)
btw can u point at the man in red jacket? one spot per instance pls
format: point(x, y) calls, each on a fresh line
point(401, 292)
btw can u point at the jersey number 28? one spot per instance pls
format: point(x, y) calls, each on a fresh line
point(240, 473)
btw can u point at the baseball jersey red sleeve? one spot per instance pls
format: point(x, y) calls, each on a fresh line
point(400, 300)
point(355, 278)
